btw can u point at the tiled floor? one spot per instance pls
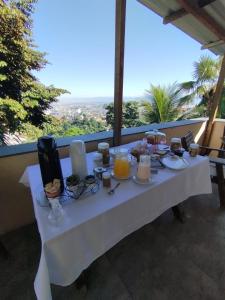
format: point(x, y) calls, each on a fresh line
point(165, 260)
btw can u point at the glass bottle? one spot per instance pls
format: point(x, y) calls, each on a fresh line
point(104, 149)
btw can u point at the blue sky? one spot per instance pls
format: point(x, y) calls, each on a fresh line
point(78, 36)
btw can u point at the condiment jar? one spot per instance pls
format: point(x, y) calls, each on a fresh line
point(193, 150)
point(106, 179)
point(98, 172)
point(122, 164)
point(155, 137)
point(175, 144)
point(104, 149)
point(144, 170)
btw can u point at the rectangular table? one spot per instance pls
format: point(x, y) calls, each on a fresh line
point(95, 224)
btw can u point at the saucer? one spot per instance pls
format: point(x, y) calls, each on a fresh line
point(143, 182)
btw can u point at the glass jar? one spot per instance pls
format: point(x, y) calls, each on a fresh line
point(144, 168)
point(97, 160)
point(122, 164)
point(155, 137)
point(104, 149)
point(193, 150)
point(175, 144)
point(106, 179)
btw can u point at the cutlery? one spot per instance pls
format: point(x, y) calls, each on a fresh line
point(112, 191)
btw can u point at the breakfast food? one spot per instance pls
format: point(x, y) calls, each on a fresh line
point(52, 189)
point(139, 149)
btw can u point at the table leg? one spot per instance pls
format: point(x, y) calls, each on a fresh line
point(3, 251)
point(221, 184)
point(82, 281)
point(178, 214)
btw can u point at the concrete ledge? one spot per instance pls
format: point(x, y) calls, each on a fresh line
point(65, 141)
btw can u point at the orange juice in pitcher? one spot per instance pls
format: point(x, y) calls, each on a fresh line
point(122, 164)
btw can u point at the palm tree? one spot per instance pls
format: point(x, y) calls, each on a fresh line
point(203, 85)
point(165, 103)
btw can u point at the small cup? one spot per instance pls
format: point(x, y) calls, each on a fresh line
point(193, 150)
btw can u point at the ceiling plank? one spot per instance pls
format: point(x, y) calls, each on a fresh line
point(173, 16)
point(212, 44)
point(203, 17)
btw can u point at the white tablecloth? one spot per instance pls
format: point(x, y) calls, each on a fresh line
point(94, 224)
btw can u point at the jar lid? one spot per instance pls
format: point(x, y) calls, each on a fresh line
point(103, 145)
point(176, 140)
point(155, 133)
point(194, 146)
point(99, 170)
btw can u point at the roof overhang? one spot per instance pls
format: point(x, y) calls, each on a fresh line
point(203, 20)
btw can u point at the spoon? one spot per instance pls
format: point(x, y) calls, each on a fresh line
point(112, 191)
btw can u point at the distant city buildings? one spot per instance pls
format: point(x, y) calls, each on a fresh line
point(70, 112)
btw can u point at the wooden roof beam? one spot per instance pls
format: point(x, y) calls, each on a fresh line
point(212, 44)
point(120, 29)
point(182, 12)
point(215, 104)
point(202, 16)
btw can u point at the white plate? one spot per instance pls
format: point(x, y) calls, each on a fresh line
point(138, 181)
point(175, 163)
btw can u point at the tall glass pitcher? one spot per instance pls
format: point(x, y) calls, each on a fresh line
point(122, 164)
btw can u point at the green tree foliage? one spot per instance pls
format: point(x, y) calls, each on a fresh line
point(23, 99)
point(60, 127)
point(130, 117)
point(165, 103)
point(89, 125)
point(203, 85)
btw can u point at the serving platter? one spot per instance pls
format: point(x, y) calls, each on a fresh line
point(175, 162)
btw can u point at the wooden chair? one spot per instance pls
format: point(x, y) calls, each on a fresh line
point(218, 162)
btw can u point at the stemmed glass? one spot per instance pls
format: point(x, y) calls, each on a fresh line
point(57, 213)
